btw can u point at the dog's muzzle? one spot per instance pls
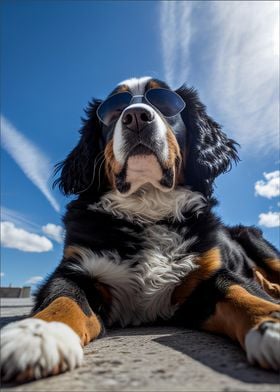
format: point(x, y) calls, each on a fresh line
point(136, 117)
point(141, 147)
point(141, 125)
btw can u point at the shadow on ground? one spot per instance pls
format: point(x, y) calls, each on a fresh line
point(218, 353)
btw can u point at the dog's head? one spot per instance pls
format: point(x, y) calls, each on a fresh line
point(144, 132)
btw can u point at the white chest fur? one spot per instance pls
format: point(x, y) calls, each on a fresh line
point(142, 287)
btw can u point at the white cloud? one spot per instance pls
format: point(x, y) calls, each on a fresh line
point(269, 188)
point(232, 51)
point(33, 162)
point(2, 274)
point(270, 219)
point(34, 280)
point(16, 238)
point(54, 231)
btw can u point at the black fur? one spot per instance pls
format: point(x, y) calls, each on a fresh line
point(210, 151)
point(80, 171)
point(100, 231)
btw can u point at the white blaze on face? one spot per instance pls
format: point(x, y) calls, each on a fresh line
point(141, 169)
point(159, 133)
point(137, 87)
point(118, 143)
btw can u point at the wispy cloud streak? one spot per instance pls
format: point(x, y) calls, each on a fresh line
point(231, 51)
point(18, 219)
point(168, 38)
point(33, 162)
point(175, 22)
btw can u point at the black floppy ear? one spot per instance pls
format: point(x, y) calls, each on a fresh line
point(209, 152)
point(80, 169)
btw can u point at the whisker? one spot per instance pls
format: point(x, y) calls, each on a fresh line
point(98, 158)
point(99, 172)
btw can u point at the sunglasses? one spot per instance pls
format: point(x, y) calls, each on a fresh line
point(166, 101)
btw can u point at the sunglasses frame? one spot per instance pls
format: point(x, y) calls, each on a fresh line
point(140, 101)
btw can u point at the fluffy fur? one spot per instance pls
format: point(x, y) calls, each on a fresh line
point(150, 205)
point(55, 348)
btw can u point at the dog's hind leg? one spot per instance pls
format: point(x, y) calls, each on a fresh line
point(253, 321)
point(236, 307)
point(259, 250)
point(273, 289)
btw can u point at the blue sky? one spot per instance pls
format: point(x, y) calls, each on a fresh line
point(56, 55)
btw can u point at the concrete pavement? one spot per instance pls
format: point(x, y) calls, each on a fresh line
point(152, 359)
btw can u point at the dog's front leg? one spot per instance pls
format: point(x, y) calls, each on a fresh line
point(49, 342)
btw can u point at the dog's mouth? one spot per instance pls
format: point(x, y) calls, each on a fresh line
point(142, 167)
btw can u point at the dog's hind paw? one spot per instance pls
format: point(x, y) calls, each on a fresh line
point(33, 348)
point(262, 344)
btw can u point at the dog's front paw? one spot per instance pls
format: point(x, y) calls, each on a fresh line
point(262, 344)
point(33, 348)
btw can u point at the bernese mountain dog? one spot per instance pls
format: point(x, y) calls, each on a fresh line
point(142, 243)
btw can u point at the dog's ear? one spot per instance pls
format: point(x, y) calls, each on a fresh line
point(209, 152)
point(81, 170)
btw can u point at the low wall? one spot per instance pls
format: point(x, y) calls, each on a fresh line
point(15, 292)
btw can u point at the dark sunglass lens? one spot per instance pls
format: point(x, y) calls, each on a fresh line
point(167, 102)
point(112, 107)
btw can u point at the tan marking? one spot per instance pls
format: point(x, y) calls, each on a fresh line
point(273, 264)
point(71, 251)
point(153, 84)
point(182, 169)
point(261, 270)
point(174, 155)
point(121, 89)
point(209, 262)
point(180, 175)
point(239, 312)
point(66, 310)
point(173, 147)
point(272, 289)
point(112, 166)
point(273, 272)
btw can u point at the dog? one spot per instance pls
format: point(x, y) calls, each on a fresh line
point(142, 243)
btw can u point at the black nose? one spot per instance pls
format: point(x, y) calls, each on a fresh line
point(135, 118)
